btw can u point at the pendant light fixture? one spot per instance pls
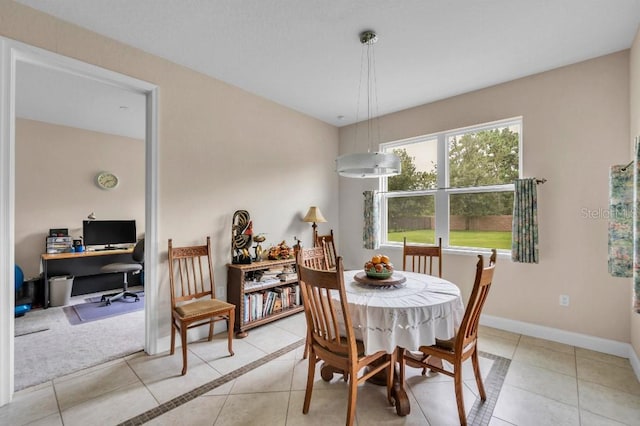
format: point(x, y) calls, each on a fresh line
point(370, 164)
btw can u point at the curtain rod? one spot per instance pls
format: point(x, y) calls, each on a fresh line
point(538, 182)
point(624, 169)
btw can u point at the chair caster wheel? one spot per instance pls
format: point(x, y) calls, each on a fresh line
point(326, 373)
point(107, 302)
point(401, 400)
point(137, 299)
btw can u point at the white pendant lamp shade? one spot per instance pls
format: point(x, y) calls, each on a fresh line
point(368, 165)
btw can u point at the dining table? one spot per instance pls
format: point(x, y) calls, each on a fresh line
point(403, 312)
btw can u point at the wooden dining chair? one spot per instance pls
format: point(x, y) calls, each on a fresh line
point(463, 345)
point(327, 242)
point(313, 257)
point(193, 295)
point(420, 258)
point(336, 345)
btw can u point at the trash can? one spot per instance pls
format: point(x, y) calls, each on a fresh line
point(60, 290)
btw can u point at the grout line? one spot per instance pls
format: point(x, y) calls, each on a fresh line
point(201, 390)
point(481, 412)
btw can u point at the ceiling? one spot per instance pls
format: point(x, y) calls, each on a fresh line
point(306, 55)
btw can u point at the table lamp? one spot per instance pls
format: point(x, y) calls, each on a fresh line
point(314, 215)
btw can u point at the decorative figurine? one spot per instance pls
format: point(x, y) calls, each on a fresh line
point(260, 238)
point(241, 233)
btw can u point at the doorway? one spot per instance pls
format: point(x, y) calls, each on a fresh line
point(13, 55)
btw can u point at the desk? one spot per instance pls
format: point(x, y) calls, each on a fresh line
point(84, 264)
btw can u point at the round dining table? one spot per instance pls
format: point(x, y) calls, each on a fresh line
point(407, 315)
point(412, 311)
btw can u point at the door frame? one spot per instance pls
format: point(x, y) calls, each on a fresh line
point(12, 52)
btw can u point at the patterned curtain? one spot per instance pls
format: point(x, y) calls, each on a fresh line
point(371, 230)
point(524, 243)
point(620, 221)
point(636, 229)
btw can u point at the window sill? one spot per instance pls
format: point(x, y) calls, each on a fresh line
point(502, 254)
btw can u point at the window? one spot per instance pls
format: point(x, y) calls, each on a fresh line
point(457, 185)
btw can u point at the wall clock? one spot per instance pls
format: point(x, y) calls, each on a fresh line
point(107, 180)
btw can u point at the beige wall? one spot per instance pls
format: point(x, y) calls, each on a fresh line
point(575, 125)
point(55, 183)
point(220, 148)
point(635, 131)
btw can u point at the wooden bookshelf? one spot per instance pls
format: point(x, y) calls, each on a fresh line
point(253, 305)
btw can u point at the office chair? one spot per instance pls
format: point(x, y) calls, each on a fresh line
point(124, 268)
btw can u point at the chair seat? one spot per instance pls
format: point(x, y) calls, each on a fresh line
point(122, 267)
point(200, 307)
point(359, 347)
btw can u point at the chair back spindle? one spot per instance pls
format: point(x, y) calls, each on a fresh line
point(421, 258)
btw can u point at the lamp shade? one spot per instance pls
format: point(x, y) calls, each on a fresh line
point(368, 165)
point(314, 215)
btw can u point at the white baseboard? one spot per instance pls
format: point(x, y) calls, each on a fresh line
point(611, 347)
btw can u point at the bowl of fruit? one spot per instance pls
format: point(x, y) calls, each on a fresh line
point(379, 267)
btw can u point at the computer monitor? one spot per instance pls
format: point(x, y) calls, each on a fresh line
point(108, 232)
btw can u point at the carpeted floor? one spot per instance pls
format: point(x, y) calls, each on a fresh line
point(48, 346)
point(95, 309)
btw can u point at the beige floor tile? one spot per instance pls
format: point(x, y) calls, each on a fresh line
point(216, 349)
point(373, 408)
point(96, 382)
point(543, 357)
point(524, 408)
point(599, 356)
point(52, 420)
point(200, 411)
point(221, 390)
point(270, 338)
point(111, 408)
point(483, 331)
point(560, 347)
point(610, 403)
point(245, 353)
point(620, 378)
point(30, 405)
point(498, 422)
point(327, 407)
point(257, 409)
point(591, 419)
point(295, 324)
point(437, 400)
point(550, 384)
point(162, 374)
point(274, 376)
point(497, 345)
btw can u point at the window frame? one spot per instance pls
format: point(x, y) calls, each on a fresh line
point(442, 191)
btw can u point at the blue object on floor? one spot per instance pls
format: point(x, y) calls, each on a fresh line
point(23, 308)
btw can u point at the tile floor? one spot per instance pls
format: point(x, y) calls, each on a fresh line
point(530, 382)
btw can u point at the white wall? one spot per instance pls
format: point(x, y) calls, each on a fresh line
point(575, 125)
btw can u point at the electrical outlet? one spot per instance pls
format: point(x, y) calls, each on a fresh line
point(564, 300)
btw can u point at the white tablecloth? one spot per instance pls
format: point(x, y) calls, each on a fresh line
point(423, 308)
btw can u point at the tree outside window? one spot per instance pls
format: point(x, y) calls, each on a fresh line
point(475, 193)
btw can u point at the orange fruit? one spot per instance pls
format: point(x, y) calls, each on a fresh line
point(376, 259)
point(384, 259)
